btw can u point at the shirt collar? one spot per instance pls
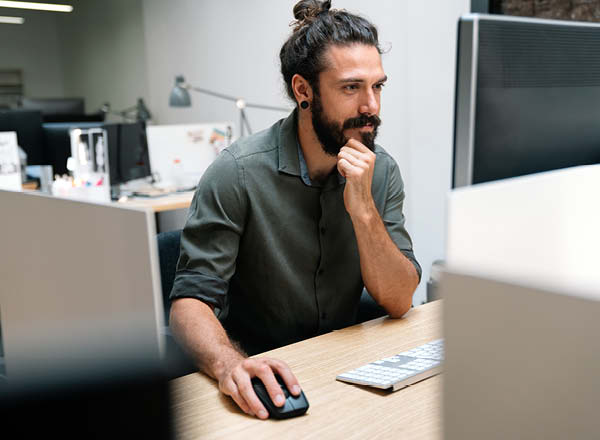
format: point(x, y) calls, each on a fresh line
point(288, 145)
point(291, 157)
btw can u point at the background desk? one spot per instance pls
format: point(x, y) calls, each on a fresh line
point(171, 210)
point(337, 410)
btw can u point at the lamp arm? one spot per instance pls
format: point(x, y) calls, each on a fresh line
point(268, 107)
point(245, 121)
point(209, 92)
point(234, 99)
point(122, 114)
point(129, 109)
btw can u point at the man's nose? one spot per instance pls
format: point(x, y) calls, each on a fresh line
point(369, 104)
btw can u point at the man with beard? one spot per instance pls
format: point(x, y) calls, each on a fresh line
point(288, 225)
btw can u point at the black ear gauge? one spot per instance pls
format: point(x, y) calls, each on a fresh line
point(304, 104)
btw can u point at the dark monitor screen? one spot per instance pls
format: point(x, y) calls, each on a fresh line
point(30, 136)
point(53, 106)
point(128, 156)
point(77, 117)
point(527, 97)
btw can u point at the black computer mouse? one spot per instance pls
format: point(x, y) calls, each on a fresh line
point(294, 406)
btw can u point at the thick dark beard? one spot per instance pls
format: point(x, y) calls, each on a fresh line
point(331, 134)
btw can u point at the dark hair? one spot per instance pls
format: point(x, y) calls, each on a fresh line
point(316, 28)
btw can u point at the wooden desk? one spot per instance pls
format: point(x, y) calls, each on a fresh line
point(170, 211)
point(337, 410)
point(169, 202)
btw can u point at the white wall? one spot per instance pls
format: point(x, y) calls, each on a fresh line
point(103, 52)
point(430, 62)
point(229, 46)
point(33, 47)
point(232, 47)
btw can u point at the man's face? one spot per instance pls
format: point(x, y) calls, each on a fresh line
point(346, 103)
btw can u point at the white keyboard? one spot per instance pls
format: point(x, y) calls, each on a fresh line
point(401, 370)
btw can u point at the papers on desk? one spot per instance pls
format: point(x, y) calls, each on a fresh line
point(10, 163)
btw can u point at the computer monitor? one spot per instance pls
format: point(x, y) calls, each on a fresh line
point(80, 292)
point(30, 136)
point(76, 117)
point(180, 153)
point(128, 156)
point(82, 320)
point(54, 106)
point(527, 97)
point(521, 291)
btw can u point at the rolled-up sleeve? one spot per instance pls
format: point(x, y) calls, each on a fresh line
point(210, 238)
point(393, 217)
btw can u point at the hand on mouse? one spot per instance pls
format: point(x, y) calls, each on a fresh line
point(235, 381)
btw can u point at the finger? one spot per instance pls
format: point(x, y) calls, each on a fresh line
point(247, 393)
point(348, 148)
point(346, 168)
point(288, 377)
point(341, 169)
point(353, 143)
point(351, 152)
point(354, 160)
point(231, 389)
point(265, 373)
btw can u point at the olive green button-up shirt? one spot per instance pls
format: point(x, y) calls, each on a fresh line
point(276, 256)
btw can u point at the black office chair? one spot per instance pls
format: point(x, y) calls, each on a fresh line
point(168, 254)
point(178, 363)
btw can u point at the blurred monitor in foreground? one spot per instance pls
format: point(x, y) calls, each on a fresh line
point(82, 315)
point(521, 293)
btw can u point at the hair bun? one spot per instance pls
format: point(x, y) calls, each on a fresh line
point(305, 11)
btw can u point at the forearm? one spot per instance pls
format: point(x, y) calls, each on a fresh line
point(389, 276)
point(198, 330)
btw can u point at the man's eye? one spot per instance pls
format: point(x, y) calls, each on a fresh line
point(379, 86)
point(351, 87)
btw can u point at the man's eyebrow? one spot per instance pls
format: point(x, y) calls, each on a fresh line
point(361, 80)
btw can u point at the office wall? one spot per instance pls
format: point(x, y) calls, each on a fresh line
point(232, 47)
point(34, 48)
point(103, 52)
point(430, 61)
point(227, 46)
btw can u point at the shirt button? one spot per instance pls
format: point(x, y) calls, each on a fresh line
point(320, 272)
point(322, 230)
point(324, 315)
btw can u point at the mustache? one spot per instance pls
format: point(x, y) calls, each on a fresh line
point(361, 121)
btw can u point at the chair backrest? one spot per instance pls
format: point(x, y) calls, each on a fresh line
point(168, 254)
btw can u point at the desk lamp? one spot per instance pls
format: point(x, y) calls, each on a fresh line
point(180, 97)
point(138, 112)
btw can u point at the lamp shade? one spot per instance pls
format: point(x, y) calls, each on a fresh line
point(180, 97)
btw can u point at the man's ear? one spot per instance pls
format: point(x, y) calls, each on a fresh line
point(302, 89)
